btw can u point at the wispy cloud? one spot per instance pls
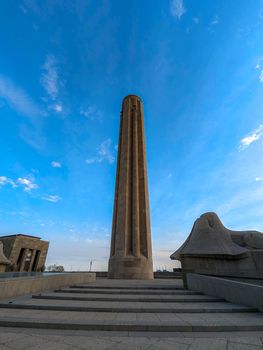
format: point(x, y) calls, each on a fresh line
point(55, 164)
point(91, 113)
point(17, 98)
point(214, 21)
point(250, 138)
point(93, 160)
point(259, 67)
point(51, 82)
point(258, 178)
point(51, 198)
point(27, 184)
point(177, 8)
point(22, 103)
point(23, 9)
point(49, 78)
point(261, 10)
point(32, 134)
point(105, 152)
point(58, 108)
point(4, 180)
point(247, 197)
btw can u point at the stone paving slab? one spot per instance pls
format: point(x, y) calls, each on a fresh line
point(35, 339)
point(222, 335)
point(131, 321)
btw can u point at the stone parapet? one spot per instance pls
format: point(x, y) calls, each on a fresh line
point(11, 287)
point(249, 293)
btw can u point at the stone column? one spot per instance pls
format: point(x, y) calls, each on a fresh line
point(23, 260)
point(131, 249)
point(32, 260)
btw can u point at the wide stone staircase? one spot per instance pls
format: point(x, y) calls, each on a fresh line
point(122, 305)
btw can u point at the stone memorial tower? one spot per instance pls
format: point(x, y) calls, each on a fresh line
point(131, 248)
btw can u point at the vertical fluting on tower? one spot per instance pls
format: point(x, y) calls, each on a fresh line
point(131, 251)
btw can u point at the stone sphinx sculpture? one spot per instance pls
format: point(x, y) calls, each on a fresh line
point(213, 249)
point(3, 259)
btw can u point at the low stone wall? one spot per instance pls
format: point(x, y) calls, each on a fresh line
point(11, 287)
point(236, 292)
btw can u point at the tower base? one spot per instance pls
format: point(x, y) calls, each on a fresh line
point(130, 267)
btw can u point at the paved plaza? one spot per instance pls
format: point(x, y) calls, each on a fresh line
point(23, 339)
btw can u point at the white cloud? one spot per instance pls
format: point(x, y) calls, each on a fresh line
point(252, 137)
point(27, 184)
point(51, 198)
point(23, 9)
point(49, 78)
point(214, 21)
point(91, 113)
point(261, 10)
point(55, 164)
point(105, 152)
point(177, 8)
point(6, 181)
point(259, 67)
point(58, 108)
point(92, 160)
point(258, 178)
point(51, 82)
point(17, 98)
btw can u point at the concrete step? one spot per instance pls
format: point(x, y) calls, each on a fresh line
point(164, 308)
point(155, 322)
point(131, 287)
point(127, 291)
point(168, 277)
point(131, 298)
point(124, 307)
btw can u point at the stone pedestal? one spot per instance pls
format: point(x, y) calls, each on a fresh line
point(131, 250)
point(212, 249)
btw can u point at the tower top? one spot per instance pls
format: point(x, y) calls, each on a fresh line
point(132, 96)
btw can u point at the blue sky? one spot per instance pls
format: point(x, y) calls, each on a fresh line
point(65, 67)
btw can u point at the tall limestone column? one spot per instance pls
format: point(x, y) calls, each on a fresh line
point(131, 248)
